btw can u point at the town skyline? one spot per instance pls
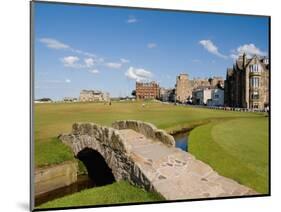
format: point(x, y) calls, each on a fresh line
point(110, 49)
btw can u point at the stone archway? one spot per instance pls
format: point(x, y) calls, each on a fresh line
point(97, 168)
point(105, 142)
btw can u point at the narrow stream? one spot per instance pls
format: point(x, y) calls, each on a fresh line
point(181, 140)
point(83, 182)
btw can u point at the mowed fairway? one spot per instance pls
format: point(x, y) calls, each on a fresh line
point(224, 129)
point(235, 148)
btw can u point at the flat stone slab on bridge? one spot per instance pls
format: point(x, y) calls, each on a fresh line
point(176, 174)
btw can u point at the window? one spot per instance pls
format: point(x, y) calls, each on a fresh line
point(255, 95)
point(265, 61)
point(255, 82)
point(254, 68)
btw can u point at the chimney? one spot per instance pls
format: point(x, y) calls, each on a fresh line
point(244, 59)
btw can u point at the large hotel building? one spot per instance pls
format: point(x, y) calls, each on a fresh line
point(148, 90)
point(247, 83)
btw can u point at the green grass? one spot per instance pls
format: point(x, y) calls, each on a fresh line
point(121, 192)
point(54, 119)
point(236, 148)
point(234, 143)
point(51, 151)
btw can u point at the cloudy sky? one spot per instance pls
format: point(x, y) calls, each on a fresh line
point(78, 47)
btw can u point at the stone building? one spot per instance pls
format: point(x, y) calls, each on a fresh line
point(167, 94)
point(247, 83)
point(183, 89)
point(217, 97)
point(147, 90)
point(201, 96)
point(211, 95)
point(185, 86)
point(93, 96)
point(213, 81)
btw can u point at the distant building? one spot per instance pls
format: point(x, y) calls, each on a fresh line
point(167, 94)
point(149, 90)
point(183, 89)
point(217, 97)
point(213, 81)
point(247, 83)
point(69, 99)
point(93, 96)
point(43, 100)
point(201, 96)
point(211, 95)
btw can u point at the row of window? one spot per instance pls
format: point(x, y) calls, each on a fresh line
point(255, 82)
point(146, 93)
point(255, 68)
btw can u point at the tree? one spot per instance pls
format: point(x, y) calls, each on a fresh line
point(133, 93)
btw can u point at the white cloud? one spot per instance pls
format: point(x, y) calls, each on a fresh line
point(138, 74)
point(131, 20)
point(114, 65)
point(249, 49)
point(212, 48)
point(124, 60)
point(53, 44)
point(71, 61)
point(94, 71)
point(151, 45)
point(89, 62)
point(67, 80)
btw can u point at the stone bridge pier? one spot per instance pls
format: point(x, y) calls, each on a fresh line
point(145, 156)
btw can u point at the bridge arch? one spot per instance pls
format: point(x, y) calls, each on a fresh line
point(104, 141)
point(97, 168)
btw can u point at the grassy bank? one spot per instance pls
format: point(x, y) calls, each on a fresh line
point(53, 119)
point(236, 148)
point(121, 192)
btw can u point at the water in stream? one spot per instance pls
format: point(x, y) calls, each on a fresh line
point(181, 141)
point(83, 182)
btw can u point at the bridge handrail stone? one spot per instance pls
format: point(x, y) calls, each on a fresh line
point(147, 129)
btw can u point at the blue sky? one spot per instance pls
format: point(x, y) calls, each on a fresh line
point(109, 49)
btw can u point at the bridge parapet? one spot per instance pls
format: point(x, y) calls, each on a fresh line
point(146, 129)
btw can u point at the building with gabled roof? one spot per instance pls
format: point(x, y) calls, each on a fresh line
point(247, 83)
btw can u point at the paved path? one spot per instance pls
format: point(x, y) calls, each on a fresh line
point(176, 174)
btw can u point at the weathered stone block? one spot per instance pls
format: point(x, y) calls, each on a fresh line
point(147, 129)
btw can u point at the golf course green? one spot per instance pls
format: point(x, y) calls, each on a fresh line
point(234, 143)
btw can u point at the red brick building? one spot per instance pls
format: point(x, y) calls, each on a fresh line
point(149, 90)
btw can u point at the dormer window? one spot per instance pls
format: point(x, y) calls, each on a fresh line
point(254, 68)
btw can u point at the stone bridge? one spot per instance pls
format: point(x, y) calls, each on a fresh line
point(145, 156)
